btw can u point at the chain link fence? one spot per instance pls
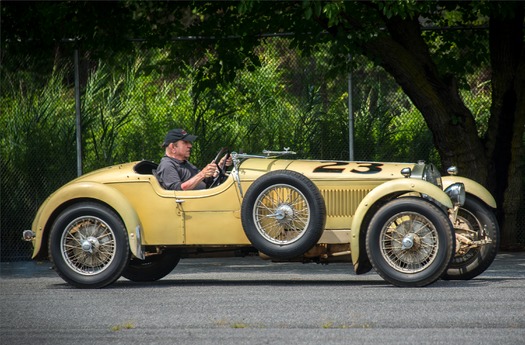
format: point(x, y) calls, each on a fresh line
point(127, 107)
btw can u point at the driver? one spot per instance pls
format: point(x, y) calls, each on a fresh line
point(175, 172)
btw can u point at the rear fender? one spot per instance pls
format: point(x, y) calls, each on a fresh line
point(390, 189)
point(82, 191)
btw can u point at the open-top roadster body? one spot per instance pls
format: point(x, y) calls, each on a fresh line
point(402, 219)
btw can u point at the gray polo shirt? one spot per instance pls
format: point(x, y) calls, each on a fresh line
point(172, 172)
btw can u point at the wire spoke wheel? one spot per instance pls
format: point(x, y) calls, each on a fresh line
point(281, 214)
point(409, 242)
point(468, 226)
point(477, 224)
point(88, 245)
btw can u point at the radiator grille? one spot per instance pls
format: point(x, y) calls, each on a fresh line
point(342, 202)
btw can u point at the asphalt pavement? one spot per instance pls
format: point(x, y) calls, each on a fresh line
point(252, 301)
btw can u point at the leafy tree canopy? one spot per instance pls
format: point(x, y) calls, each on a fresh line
point(417, 42)
point(104, 27)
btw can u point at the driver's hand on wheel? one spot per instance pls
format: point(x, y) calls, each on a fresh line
point(229, 161)
point(211, 170)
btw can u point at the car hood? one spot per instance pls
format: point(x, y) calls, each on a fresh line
point(327, 170)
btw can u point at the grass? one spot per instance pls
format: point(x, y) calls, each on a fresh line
point(126, 325)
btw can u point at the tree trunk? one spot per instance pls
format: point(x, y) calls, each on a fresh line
point(405, 56)
point(496, 161)
point(507, 121)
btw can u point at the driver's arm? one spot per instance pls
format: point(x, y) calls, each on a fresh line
point(206, 172)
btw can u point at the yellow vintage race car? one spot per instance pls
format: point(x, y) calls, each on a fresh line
point(405, 220)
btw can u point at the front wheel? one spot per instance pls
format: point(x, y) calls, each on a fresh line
point(88, 245)
point(475, 222)
point(410, 242)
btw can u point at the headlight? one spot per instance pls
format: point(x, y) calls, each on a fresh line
point(427, 172)
point(456, 192)
point(432, 175)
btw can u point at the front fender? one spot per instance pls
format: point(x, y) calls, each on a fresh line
point(471, 187)
point(394, 187)
point(77, 191)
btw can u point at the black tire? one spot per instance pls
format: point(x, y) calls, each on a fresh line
point(88, 245)
point(410, 242)
point(153, 268)
point(283, 214)
point(474, 218)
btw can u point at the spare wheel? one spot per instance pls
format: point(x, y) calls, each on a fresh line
point(283, 214)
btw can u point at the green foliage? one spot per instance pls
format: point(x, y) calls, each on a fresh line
point(97, 26)
point(207, 85)
point(290, 100)
point(104, 112)
point(384, 132)
point(37, 147)
point(37, 133)
point(477, 97)
point(457, 52)
point(127, 108)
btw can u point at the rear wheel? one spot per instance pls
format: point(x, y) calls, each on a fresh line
point(88, 245)
point(474, 222)
point(153, 268)
point(410, 242)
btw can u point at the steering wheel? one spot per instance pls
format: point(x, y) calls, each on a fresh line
point(217, 180)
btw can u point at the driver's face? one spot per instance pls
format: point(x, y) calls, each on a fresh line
point(182, 149)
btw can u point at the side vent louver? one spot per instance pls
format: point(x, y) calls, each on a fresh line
point(342, 202)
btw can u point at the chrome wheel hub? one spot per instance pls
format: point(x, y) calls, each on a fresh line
point(89, 244)
point(283, 211)
point(408, 242)
point(281, 214)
